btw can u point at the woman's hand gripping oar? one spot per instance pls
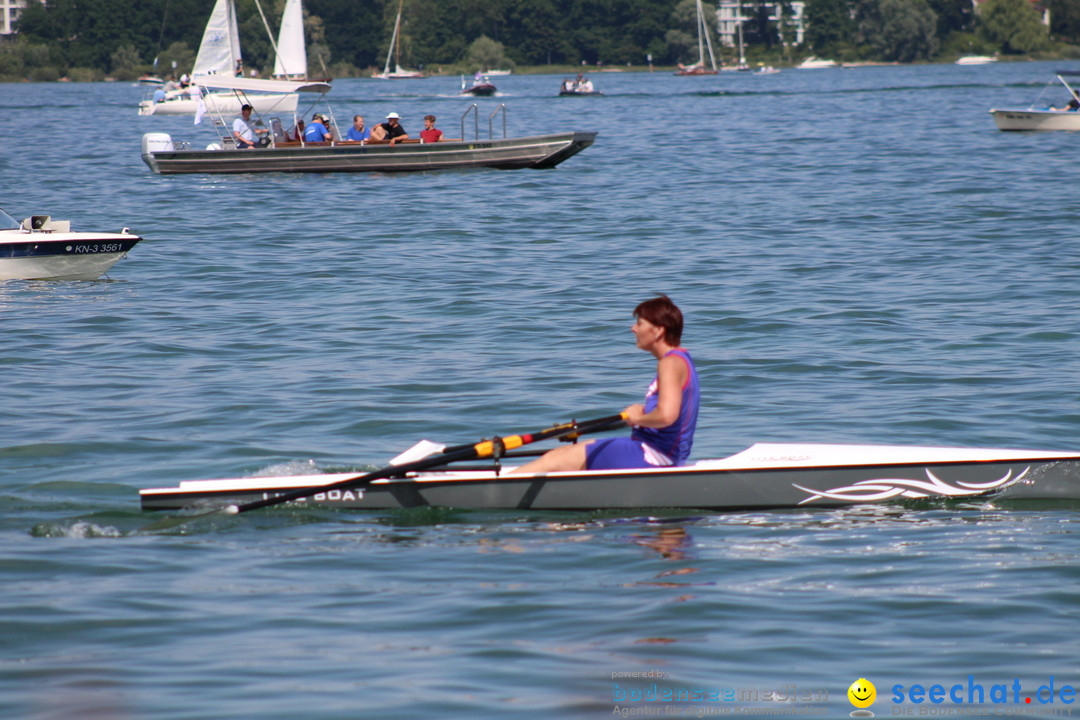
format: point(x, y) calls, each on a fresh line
point(457, 453)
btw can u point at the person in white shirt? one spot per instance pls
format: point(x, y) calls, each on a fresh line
point(244, 131)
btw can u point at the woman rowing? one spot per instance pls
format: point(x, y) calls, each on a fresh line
point(663, 427)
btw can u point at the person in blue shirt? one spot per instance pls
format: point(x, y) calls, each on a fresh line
point(358, 132)
point(317, 131)
point(663, 426)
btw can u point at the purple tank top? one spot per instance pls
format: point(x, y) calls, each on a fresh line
point(676, 439)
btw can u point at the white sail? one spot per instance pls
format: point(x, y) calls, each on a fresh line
point(219, 52)
point(291, 52)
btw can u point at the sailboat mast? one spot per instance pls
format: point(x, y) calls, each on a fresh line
point(700, 34)
point(393, 39)
point(708, 38)
point(742, 56)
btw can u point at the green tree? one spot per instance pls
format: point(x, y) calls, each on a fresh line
point(1065, 19)
point(354, 36)
point(485, 53)
point(898, 30)
point(1013, 25)
point(953, 16)
point(126, 62)
point(828, 23)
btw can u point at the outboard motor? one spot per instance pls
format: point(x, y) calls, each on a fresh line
point(155, 142)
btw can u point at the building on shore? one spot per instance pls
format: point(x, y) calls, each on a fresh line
point(9, 13)
point(729, 13)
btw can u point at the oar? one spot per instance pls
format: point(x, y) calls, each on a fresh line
point(485, 448)
point(457, 453)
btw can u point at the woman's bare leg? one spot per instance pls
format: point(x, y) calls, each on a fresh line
point(566, 457)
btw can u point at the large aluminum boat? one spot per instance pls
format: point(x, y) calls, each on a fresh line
point(163, 156)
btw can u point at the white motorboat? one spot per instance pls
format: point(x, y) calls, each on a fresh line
point(1041, 116)
point(219, 57)
point(398, 73)
point(976, 60)
point(815, 63)
point(40, 248)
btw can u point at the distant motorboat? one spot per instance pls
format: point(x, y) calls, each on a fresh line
point(976, 60)
point(767, 70)
point(1045, 117)
point(815, 63)
point(581, 86)
point(481, 87)
point(40, 248)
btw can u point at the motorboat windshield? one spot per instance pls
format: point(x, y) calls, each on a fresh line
point(8, 223)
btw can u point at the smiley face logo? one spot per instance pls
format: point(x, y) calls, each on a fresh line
point(862, 693)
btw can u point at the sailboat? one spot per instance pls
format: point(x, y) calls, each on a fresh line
point(703, 37)
point(291, 60)
point(219, 54)
point(399, 72)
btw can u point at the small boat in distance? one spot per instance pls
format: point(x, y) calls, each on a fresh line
point(481, 86)
point(766, 475)
point(704, 38)
point(815, 63)
point(581, 86)
point(398, 73)
point(40, 248)
point(976, 60)
point(1038, 116)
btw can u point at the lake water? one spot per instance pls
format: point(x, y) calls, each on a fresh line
point(861, 257)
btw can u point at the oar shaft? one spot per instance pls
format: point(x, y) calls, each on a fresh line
point(482, 449)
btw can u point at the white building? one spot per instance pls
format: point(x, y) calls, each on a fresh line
point(729, 13)
point(9, 13)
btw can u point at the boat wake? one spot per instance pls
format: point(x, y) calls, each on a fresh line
point(78, 530)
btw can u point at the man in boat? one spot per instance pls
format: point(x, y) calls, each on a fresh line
point(244, 132)
point(663, 426)
point(318, 131)
point(430, 133)
point(389, 131)
point(358, 133)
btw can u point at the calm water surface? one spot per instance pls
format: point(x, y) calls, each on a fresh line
point(861, 257)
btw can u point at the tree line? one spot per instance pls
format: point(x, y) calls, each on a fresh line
point(88, 39)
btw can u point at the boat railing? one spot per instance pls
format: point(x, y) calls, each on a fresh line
point(476, 121)
point(491, 121)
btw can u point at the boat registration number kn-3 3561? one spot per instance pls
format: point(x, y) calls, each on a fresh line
point(79, 248)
